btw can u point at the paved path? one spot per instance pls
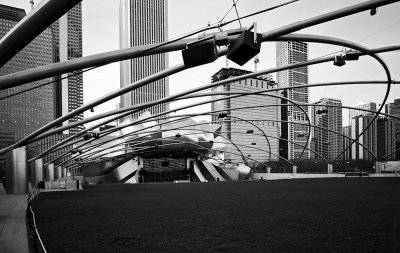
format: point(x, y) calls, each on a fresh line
point(13, 237)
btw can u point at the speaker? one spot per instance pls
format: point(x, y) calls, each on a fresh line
point(200, 53)
point(243, 48)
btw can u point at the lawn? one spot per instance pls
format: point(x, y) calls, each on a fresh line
point(302, 215)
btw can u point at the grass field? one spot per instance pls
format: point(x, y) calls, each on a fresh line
point(310, 215)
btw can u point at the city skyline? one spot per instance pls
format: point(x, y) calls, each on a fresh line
point(372, 31)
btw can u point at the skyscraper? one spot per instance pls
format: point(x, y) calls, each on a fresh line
point(394, 109)
point(21, 114)
point(289, 53)
point(141, 23)
point(327, 143)
point(67, 36)
point(246, 127)
point(24, 113)
point(358, 121)
point(368, 139)
point(385, 138)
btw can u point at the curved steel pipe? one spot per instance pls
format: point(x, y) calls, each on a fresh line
point(261, 72)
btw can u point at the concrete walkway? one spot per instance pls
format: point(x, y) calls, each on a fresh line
point(13, 237)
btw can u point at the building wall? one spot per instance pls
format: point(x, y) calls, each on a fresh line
point(289, 53)
point(141, 23)
point(254, 146)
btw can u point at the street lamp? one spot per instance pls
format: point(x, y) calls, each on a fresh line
point(322, 111)
point(339, 60)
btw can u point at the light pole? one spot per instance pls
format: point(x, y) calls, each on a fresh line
point(330, 167)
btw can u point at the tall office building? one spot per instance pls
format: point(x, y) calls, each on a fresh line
point(67, 39)
point(24, 113)
point(142, 23)
point(327, 143)
point(358, 121)
point(386, 138)
point(246, 127)
point(394, 109)
point(290, 53)
point(368, 139)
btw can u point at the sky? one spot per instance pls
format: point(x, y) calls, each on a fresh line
point(101, 34)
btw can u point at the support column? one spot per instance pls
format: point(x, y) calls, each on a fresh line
point(330, 168)
point(59, 172)
point(269, 170)
point(64, 172)
point(50, 172)
point(378, 167)
point(139, 161)
point(294, 169)
point(36, 172)
point(17, 171)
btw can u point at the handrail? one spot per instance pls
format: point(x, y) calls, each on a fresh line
point(32, 195)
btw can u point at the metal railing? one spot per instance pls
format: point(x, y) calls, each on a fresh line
point(38, 246)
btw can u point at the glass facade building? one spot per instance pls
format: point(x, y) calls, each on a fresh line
point(142, 23)
point(289, 53)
